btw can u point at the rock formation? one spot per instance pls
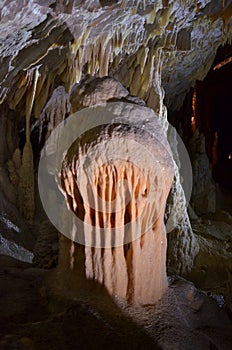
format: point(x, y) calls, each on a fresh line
point(140, 58)
point(204, 189)
point(154, 49)
point(122, 199)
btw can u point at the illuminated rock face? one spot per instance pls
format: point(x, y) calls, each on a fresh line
point(153, 48)
point(121, 201)
point(66, 40)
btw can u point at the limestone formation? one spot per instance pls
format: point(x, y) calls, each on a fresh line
point(156, 49)
point(182, 244)
point(122, 201)
point(148, 46)
point(121, 39)
point(26, 198)
point(136, 59)
point(13, 167)
point(212, 267)
point(55, 111)
point(204, 189)
point(26, 174)
point(94, 91)
point(16, 239)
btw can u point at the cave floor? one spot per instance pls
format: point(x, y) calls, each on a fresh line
point(34, 317)
point(225, 200)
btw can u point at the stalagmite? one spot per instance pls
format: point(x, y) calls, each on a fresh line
point(116, 179)
point(26, 181)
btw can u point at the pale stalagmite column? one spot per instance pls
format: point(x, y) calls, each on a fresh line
point(116, 179)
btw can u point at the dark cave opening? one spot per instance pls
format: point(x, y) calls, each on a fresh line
point(207, 107)
point(213, 116)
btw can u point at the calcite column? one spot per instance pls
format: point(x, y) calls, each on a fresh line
point(116, 179)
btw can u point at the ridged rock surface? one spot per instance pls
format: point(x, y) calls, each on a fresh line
point(130, 252)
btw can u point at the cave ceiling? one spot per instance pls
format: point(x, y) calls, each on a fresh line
point(44, 44)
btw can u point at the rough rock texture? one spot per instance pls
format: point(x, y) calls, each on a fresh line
point(184, 308)
point(32, 316)
point(26, 200)
point(212, 270)
point(99, 39)
point(204, 189)
point(46, 249)
point(55, 111)
point(156, 49)
point(134, 268)
point(16, 238)
point(182, 244)
point(96, 92)
point(151, 47)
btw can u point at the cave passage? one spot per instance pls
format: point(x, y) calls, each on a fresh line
point(213, 116)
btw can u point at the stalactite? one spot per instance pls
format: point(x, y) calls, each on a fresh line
point(30, 100)
point(43, 95)
point(135, 81)
point(79, 63)
point(26, 181)
point(54, 112)
point(70, 73)
point(104, 57)
point(164, 18)
point(19, 94)
point(143, 59)
point(39, 91)
point(140, 85)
